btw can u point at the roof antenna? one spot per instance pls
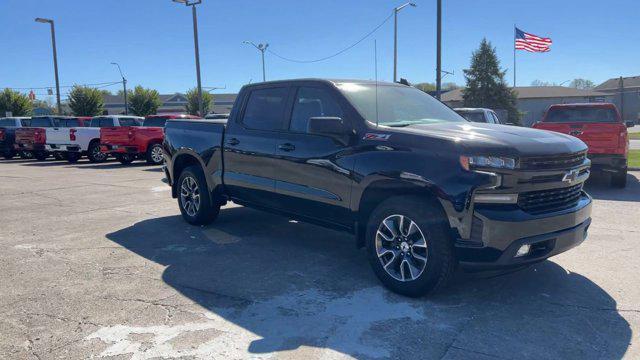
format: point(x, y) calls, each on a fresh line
point(375, 55)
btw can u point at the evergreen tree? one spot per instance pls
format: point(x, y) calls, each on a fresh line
point(86, 101)
point(486, 86)
point(18, 104)
point(143, 102)
point(193, 107)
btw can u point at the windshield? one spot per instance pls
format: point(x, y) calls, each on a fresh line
point(7, 122)
point(581, 114)
point(472, 116)
point(42, 122)
point(397, 105)
point(155, 122)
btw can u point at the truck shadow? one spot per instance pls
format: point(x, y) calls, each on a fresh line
point(599, 188)
point(285, 285)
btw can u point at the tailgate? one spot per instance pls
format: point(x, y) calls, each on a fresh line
point(116, 135)
point(602, 138)
point(58, 136)
point(25, 135)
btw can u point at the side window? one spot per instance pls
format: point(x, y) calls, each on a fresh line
point(495, 118)
point(95, 122)
point(312, 102)
point(265, 109)
point(106, 122)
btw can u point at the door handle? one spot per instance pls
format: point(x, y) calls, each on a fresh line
point(233, 142)
point(287, 147)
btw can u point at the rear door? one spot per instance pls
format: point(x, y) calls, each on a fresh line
point(599, 127)
point(249, 146)
point(312, 178)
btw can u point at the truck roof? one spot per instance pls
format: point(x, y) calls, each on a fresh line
point(329, 81)
point(593, 104)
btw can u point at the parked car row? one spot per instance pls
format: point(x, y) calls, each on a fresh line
point(126, 138)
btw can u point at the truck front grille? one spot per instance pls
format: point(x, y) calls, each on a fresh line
point(565, 161)
point(535, 202)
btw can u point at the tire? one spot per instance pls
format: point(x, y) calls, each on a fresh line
point(619, 179)
point(40, 155)
point(419, 259)
point(58, 155)
point(9, 154)
point(192, 182)
point(94, 154)
point(26, 155)
point(73, 157)
point(155, 154)
point(125, 159)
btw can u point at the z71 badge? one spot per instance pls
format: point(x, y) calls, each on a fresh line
point(374, 136)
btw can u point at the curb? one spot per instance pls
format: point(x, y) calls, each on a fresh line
point(633, 168)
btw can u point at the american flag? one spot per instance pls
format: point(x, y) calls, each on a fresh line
point(531, 43)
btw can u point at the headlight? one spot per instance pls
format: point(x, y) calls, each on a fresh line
point(493, 162)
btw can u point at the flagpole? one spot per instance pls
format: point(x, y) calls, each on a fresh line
point(514, 54)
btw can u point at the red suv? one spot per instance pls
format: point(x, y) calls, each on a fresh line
point(601, 127)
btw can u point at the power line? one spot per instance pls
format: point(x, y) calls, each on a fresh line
point(336, 54)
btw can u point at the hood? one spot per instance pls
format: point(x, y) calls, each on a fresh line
point(494, 139)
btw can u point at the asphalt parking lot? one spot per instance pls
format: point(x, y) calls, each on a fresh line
point(95, 261)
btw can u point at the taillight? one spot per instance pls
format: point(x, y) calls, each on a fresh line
point(40, 136)
point(1, 134)
point(72, 134)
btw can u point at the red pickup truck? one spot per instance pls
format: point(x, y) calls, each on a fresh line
point(128, 143)
point(601, 127)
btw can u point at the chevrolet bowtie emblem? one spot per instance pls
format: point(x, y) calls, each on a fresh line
point(571, 176)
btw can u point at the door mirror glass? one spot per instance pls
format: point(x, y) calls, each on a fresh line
point(630, 124)
point(328, 126)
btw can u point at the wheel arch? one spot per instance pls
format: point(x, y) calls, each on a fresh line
point(380, 190)
point(181, 161)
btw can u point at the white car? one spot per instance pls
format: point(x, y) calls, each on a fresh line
point(86, 140)
point(480, 115)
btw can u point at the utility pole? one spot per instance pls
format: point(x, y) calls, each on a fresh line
point(439, 52)
point(197, 49)
point(124, 85)
point(395, 38)
point(262, 48)
point(55, 59)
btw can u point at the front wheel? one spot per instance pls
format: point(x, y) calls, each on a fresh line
point(125, 159)
point(40, 155)
point(409, 246)
point(155, 154)
point(619, 179)
point(73, 157)
point(195, 202)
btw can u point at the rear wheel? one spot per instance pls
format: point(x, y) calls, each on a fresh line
point(94, 154)
point(155, 154)
point(9, 154)
point(195, 202)
point(125, 159)
point(619, 179)
point(40, 155)
point(73, 157)
point(409, 246)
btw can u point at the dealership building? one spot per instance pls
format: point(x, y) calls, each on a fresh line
point(173, 103)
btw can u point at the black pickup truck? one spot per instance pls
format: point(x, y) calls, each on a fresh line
point(8, 128)
point(420, 187)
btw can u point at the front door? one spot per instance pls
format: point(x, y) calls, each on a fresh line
point(313, 177)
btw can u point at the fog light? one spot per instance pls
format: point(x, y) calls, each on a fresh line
point(524, 250)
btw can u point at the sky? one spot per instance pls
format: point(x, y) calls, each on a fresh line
point(152, 40)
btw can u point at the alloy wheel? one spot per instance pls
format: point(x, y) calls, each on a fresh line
point(190, 196)
point(156, 154)
point(401, 248)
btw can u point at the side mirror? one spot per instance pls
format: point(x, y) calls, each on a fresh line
point(333, 127)
point(630, 124)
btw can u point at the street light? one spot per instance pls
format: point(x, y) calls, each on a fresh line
point(395, 38)
point(193, 4)
point(124, 85)
point(262, 48)
point(55, 59)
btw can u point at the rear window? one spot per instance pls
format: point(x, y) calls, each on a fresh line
point(155, 122)
point(129, 122)
point(69, 123)
point(7, 122)
point(581, 114)
point(42, 122)
point(473, 116)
